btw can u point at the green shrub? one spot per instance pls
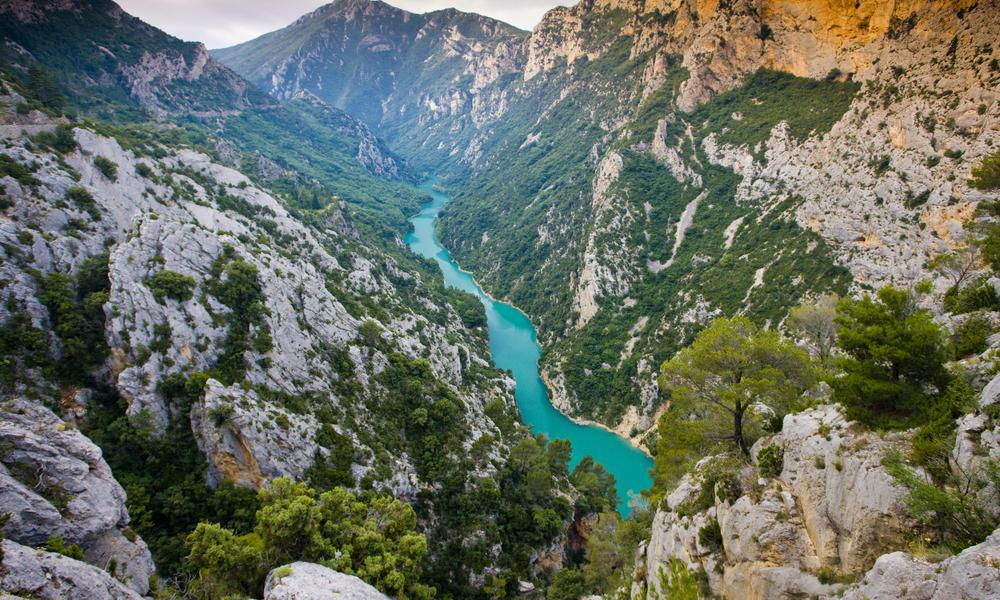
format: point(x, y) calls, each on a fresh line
point(962, 511)
point(770, 460)
point(986, 176)
point(58, 545)
point(107, 168)
point(710, 536)
point(173, 285)
point(82, 199)
point(971, 336)
point(61, 139)
point(677, 583)
point(977, 295)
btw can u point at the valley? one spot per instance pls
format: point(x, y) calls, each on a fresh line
point(662, 299)
point(514, 348)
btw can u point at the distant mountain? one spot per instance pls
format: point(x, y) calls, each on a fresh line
point(418, 79)
point(105, 56)
point(634, 167)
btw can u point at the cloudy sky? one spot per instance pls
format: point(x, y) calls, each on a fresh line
point(221, 23)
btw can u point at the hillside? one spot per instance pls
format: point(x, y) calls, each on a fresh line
point(423, 81)
point(649, 164)
point(205, 292)
point(758, 239)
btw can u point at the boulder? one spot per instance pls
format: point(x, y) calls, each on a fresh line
point(970, 575)
point(308, 581)
point(54, 482)
point(30, 573)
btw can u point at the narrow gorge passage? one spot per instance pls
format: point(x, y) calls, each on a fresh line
point(514, 346)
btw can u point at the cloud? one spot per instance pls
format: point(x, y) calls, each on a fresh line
point(220, 23)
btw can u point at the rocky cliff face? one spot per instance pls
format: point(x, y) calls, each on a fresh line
point(192, 218)
point(55, 483)
point(826, 511)
point(113, 54)
point(618, 115)
point(423, 80)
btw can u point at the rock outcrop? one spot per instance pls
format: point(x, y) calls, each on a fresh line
point(54, 482)
point(178, 214)
point(970, 575)
point(29, 573)
point(832, 508)
point(308, 581)
point(121, 54)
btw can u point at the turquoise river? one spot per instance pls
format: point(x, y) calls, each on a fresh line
point(514, 346)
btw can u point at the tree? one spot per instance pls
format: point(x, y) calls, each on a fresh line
point(895, 351)
point(374, 539)
point(44, 88)
point(986, 176)
point(816, 323)
point(735, 376)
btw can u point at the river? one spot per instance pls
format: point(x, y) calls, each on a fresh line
point(514, 346)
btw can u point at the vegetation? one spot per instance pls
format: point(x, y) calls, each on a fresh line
point(735, 379)
point(235, 284)
point(173, 285)
point(986, 176)
point(817, 323)
point(107, 167)
point(895, 352)
point(373, 538)
point(962, 512)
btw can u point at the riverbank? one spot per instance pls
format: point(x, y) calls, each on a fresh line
point(514, 347)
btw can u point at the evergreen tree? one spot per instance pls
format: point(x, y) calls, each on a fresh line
point(896, 355)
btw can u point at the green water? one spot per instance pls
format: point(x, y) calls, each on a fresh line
point(514, 346)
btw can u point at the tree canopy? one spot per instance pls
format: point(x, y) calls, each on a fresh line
point(373, 538)
point(732, 380)
point(895, 357)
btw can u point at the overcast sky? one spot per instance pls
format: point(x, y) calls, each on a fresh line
point(220, 23)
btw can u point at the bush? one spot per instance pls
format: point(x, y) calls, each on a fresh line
point(107, 168)
point(169, 284)
point(58, 545)
point(373, 538)
point(82, 199)
point(568, 584)
point(770, 460)
point(971, 336)
point(677, 582)
point(978, 295)
point(986, 176)
point(962, 512)
point(710, 536)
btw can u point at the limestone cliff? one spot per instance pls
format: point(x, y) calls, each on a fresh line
point(826, 512)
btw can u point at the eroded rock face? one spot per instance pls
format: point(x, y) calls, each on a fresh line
point(248, 442)
point(833, 507)
point(33, 573)
point(308, 581)
point(54, 482)
point(184, 214)
point(971, 575)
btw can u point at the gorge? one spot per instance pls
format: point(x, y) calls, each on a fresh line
point(662, 299)
point(514, 348)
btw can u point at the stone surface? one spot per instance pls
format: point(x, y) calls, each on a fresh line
point(971, 575)
point(30, 573)
point(54, 482)
point(832, 508)
point(308, 581)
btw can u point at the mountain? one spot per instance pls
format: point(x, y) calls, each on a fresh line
point(646, 165)
point(422, 80)
point(205, 290)
point(105, 55)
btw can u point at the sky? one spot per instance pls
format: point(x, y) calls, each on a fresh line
point(221, 23)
